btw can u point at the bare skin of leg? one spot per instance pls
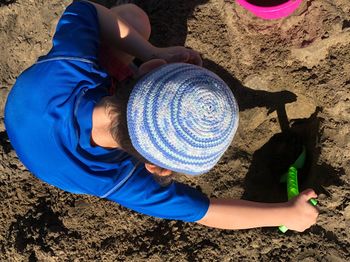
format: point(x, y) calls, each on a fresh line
point(136, 18)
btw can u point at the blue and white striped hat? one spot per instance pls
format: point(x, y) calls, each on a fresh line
point(182, 117)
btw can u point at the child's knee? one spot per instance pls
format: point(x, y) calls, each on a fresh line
point(135, 17)
point(145, 25)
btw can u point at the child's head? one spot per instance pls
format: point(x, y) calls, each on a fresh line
point(179, 117)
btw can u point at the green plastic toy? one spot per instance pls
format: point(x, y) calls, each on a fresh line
point(291, 177)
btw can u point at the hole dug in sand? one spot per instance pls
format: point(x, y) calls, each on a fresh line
point(272, 160)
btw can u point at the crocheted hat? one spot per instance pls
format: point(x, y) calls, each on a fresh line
point(182, 117)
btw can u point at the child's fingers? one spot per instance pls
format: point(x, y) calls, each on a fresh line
point(179, 57)
point(149, 66)
point(309, 193)
point(195, 58)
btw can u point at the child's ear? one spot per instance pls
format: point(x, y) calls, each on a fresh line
point(149, 66)
point(151, 168)
point(156, 170)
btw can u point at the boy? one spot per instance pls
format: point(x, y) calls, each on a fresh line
point(179, 117)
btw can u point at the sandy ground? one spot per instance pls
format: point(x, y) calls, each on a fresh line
point(288, 75)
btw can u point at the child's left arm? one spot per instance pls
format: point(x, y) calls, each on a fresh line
point(297, 214)
point(119, 33)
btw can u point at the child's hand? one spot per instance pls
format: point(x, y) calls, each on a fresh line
point(175, 54)
point(302, 214)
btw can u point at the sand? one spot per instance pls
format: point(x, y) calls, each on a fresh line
point(292, 74)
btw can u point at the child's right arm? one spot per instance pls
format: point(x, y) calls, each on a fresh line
point(297, 214)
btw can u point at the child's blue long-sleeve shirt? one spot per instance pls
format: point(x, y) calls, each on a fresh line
point(48, 117)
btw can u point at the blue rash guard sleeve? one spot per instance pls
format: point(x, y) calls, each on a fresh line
point(175, 201)
point(77, 33)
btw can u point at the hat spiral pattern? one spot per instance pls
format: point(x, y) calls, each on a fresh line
point(182, 117)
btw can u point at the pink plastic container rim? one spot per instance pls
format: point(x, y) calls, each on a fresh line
point(271, 12)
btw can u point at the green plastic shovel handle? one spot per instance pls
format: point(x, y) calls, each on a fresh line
point(293, 190)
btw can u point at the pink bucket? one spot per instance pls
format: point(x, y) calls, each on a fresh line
point(270, 9)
